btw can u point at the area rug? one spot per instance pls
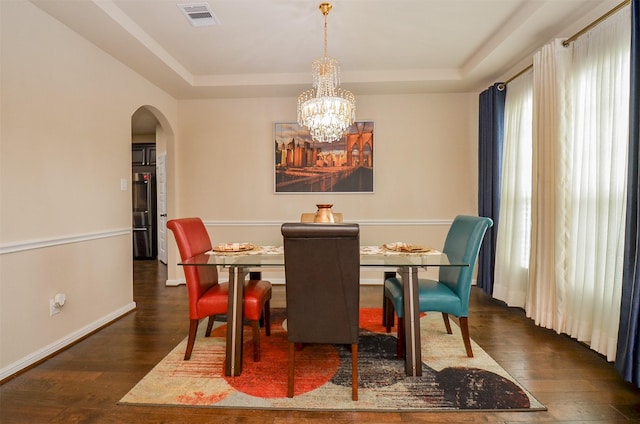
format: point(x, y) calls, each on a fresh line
point(450, 380)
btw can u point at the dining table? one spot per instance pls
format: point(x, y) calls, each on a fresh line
point(240, 262)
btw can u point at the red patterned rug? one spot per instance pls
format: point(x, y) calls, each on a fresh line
point(450, 380)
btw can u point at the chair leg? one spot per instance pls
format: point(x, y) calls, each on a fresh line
point(212, 318)
point(445, 317)
point(291, 369)
point(193, 328)
point(400, 345)
point(354, 371)
point(385, 305)
point(464, 326)
point(385, 316)
point(390, 314)
point(255, 330)
point(267, 317)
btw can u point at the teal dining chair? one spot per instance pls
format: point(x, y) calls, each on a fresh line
point(450, 293)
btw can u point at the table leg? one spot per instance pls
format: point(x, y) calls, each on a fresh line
point(233, 350)
point(413, 354)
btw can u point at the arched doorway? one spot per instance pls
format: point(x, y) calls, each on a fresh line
point(151, 139)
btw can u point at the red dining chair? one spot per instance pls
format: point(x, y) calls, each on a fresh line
point(207, 296)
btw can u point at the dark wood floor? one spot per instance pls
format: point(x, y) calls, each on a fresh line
point(84, 383)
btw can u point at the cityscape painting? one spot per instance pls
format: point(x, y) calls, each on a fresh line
point(303, 165)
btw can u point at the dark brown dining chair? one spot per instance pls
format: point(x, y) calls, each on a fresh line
point(322, 272)
point(207, 296)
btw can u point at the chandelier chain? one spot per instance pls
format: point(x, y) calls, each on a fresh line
point(325, 35)
point(326, 110)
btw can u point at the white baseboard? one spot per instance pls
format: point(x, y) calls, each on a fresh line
point(63, 342)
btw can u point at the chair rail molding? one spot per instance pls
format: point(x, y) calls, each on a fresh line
point(58, 241)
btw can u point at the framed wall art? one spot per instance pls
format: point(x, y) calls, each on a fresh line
point(303, 165)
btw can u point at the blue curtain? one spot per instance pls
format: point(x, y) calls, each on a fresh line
point(490, 135)
point(628, 351)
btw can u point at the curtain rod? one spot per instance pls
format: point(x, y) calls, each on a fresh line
point(571, 39)
point(575, 36)
point(503, 84)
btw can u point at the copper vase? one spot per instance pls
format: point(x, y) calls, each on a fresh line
point(324, 213)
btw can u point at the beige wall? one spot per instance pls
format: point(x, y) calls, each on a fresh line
point(65, 145)
point(65, 140)
point(425, 158)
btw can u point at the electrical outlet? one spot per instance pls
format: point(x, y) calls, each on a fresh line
point(54, 308)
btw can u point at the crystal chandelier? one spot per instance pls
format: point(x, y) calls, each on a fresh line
point(326, 110)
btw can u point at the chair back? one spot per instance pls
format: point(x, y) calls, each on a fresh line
point(463, 244)
point(322, 271)
point(193, 240)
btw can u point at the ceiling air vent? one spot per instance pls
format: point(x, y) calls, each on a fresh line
point(199, 14)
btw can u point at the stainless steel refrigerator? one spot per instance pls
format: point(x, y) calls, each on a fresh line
point(144, 215)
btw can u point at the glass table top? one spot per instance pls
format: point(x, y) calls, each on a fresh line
point(370, 256)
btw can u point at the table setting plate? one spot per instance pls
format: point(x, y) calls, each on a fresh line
point(233, 247)
point(406, 247)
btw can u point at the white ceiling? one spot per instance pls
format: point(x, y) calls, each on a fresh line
point(265, 47)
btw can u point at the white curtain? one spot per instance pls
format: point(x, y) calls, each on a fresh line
point(595, 205)
point(513, 241)
point(545, 293)
point(580, 139)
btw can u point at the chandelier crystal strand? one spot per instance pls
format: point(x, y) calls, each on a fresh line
point(326, 110)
